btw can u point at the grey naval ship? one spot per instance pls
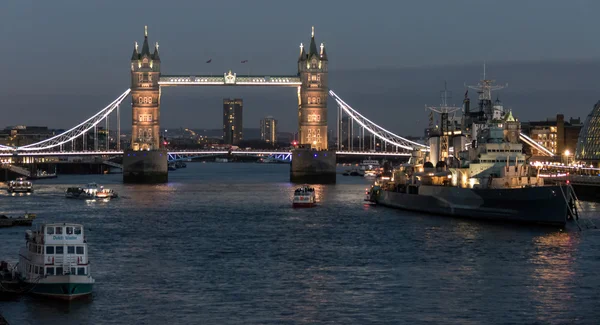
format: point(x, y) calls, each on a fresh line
point(480, 170)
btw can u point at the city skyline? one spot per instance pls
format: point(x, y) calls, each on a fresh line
point(391, 55)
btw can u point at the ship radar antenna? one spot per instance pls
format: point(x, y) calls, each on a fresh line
point(485, 87)
point(444, 131)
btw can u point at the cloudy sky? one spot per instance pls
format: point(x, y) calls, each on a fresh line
point(61, 61)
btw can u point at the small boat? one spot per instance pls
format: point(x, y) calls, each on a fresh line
point(171, 166)
point(370, 173)
point(54, 263)
point(356, 173)
point(304, 197)
point(180, 164)
point(20, 185)
point(90, 191)
point(25, 220)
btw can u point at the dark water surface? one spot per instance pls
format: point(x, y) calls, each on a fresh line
point(220, 244)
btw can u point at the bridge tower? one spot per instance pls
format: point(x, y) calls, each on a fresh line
point(145, 97)
point(312, 95)
point(145, 161)
point(312, 162)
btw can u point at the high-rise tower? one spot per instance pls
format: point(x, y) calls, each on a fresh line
point(145, 97)
point(312, 95)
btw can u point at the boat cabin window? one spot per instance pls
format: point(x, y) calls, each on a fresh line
point(39, 249)
point(70, 249)
point(59, 230)
point(72, 270)
point(59, 270)
point(49, 249)
point(50, 270)
point(69, 230)
point(81, 271)
point(80, 250)
point(77, 230)
point(50, 230)
point(36, 270)
point(60, 249)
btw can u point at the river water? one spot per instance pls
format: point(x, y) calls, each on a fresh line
point(220, 244)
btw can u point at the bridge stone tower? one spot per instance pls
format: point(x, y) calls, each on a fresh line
point(145, 161)
point(312, 96)
point(145, 97)
point(312, 162)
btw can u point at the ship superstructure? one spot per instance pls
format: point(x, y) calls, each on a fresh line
point(475, 168)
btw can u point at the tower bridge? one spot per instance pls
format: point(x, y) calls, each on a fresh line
point(147, 80)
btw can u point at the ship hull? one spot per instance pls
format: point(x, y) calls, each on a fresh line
point(63, 291)
point(65, 287)
point(541, 205)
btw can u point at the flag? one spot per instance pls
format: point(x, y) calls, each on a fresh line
point(244, 61)
point(209, 61)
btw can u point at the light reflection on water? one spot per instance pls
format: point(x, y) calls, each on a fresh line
point(220, 243)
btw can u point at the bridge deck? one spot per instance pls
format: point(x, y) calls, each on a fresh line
point(229, 79)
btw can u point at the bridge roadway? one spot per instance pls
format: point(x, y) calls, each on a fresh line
point(185, 152)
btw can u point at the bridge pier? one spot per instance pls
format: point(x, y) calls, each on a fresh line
point(312, 166)
point(145, 167)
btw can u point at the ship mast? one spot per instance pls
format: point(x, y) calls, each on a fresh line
point(484, 88)
point(439, 151)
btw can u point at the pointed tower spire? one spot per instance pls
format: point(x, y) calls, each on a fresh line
point(135, 55)
point(313, 46)
point(145, 46)
point(155, 55)
point(302, 53)
point(323, 53)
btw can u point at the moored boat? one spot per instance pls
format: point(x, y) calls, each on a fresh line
point(55, 262)
point(304, 197)
point(90, 191)
point(486, 177)
point(25, 220)
point(20, 185)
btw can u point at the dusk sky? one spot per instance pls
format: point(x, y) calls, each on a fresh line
point(62, 61)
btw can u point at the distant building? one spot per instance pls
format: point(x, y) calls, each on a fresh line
point(588, 146)
point(232, 120)
point(346, 133)
point(268, 129)
point(555, 134)
point(21, 135)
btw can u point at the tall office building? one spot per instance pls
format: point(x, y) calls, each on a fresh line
point(232, 120)
point(268, 129)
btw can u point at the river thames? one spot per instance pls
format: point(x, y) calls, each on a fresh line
point(220, 244)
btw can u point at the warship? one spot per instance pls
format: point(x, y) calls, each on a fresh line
point(475, 167)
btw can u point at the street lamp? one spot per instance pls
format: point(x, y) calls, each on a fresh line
point(567, 153)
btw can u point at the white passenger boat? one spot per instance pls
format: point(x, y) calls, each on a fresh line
point(304, 197)
point(90, 191)
point(20, 185)
point(369, 164)
point(55, 262)
point(370, 173)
